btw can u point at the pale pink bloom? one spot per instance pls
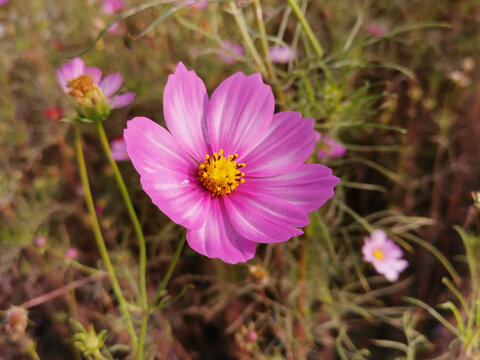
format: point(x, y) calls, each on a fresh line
point(329, 147)
point(230, 52)
point(40, 241)
point(228, 169)
point(280, 54)
point(377, 30)
point(111, 7)
point(197, 5)
point(116, 29)
point(76, 79)
point(119, 149)
point(384, 254)
point(71, 253)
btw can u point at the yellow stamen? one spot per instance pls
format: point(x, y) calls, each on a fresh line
point(378, 254)
point(81, 86)
point(220, 175)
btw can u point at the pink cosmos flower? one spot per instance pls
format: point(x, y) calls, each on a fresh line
point(384, 254)
point(111, 7)
point(85, 84)
point(377, 30)
point(119, 149)
point(280, 54)
point(228, 169)
point(230, 52)
point(329, 147)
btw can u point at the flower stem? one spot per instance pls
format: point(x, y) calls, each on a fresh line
point(170, 269)
point(263, 39)
point(246, 37)
point(306, 27)
point(138, 231)
point(99, 237)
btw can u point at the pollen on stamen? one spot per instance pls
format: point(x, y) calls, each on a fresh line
point(220, 175)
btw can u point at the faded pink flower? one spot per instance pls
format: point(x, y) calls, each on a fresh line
point(280, 54)
point(40, 241)
point(329, 147)
point(111, 7)
point(197, 5)
point(94, 96)
point(230, 52)
point(228, 169)
point(71, 253)
point(119, 149)
point(377, 30)
point(384, 254)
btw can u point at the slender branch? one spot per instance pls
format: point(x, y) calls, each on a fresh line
point(306, 27)
point(138, 231)
point(99, 237)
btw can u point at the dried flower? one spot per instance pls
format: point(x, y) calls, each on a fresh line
point(94, 96)
point(384, 254)
point(230, 170)
point(329, 147)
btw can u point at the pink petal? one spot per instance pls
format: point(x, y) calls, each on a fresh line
point(308, 187)
point(96, 74)
point(111, 83)
point(218, 239)
point(240, 113)
point(185, 104)
point(287, 144)
point(70, 71)
point(179, 195)
point(263, 218)
point(122, 100)
point(151, 148)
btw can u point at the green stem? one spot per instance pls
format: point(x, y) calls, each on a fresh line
point(138, 231)
point(306, 27)
point(170, 269)
point(263, 39)
point(99, 237)
point(246, 37)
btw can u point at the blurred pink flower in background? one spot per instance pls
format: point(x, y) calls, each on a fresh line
point(53, 113)
point(119, 149)
point(384, 254)
point(229, 170)
point(280, 54)
point(71, 253)
point(230, 52)
point(40, 241)
point(197, 5)
point(85, 84)
point(377, 30)
point(3, 2)
point(329, 147)
point(111, 7)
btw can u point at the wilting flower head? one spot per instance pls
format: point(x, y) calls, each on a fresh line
point(94, 96)
point(228, 169)
point(384, 254)
point(119, 149)
point(280, 54)
point(230, 52)
point(112, 6)
point(329, 147)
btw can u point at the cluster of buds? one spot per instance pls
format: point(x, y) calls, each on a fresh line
point(89, 343)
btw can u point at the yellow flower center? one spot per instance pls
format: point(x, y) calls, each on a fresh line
point(378, 254)
point(220, 175)
point(81, 86)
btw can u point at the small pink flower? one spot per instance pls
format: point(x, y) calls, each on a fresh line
point(119, 149)
point(197, 5)
point(3, 2)
point(111, 7)
point(229, 170)
point(40, 241)
point(329, 147)
point(384, 254)
point(82, 82)
point(71, 253)
point(230, 52)
point(53, 113)
point(281, 54)
point(377, 30)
